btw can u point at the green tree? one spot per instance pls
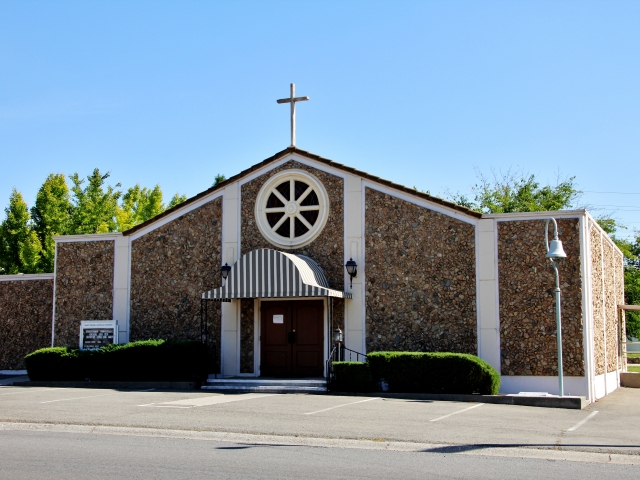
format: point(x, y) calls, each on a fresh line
point(51, 216)
point(218, 179)
point(95, 207)
point(139, 205)
point(19, 245)
point(177, 199)
point(519, 192)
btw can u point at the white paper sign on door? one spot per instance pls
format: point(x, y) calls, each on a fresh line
point(278, 319)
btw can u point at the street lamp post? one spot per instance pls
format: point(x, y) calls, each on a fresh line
point(555, 252)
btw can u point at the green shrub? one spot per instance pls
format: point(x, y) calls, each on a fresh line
point(433, 372)
point(351, 377)
point(146, 360)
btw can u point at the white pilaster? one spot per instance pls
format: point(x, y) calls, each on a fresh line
point(230, 254)
point(487, 293)
point(354, 248)
point(121, 286)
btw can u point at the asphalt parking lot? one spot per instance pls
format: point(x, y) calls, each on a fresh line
point(610, 425)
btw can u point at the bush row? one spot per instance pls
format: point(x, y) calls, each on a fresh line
point(147, 360)
point(417, 372)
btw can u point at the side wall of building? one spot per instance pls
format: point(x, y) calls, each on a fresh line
point(25, 319)
point(420, 278)
point(607, 279)
point(527, 301)
point(170, 268)
point(83, 287)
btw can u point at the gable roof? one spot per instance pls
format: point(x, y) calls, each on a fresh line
point(319, 159)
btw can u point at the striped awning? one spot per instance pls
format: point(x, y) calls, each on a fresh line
point(267, 273)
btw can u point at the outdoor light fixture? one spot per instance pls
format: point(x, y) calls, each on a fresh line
point(352, 270)
point(338, 336)
point(556, 252)
point(224, 270)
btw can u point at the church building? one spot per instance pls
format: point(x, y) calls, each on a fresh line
point(426, 275)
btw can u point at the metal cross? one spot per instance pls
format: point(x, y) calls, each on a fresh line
point(292, 100)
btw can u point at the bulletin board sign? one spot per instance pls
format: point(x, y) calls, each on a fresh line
point(95, 334)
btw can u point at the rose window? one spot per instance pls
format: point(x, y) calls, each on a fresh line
point(291, 208)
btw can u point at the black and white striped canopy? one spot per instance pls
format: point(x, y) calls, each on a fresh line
point(267, 273)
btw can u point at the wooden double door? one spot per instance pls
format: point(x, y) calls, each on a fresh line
point(292, 338)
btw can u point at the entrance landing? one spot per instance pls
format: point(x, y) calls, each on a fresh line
point(266, 385)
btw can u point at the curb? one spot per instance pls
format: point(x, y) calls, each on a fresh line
point(570, 402)
point(124, 385)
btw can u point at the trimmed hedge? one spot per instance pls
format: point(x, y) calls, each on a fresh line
point(433, 372)
point(146, 360)
point(351, 377)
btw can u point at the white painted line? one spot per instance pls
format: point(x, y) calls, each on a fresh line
point(343, 405)
point(95, 396)
point(208, 400)
point(30, 390)
point(459, 411)
point(583, 421)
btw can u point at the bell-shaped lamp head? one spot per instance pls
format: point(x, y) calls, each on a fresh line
point(352, 268)
point(338, 336)
point(224, 271)
point(555, 250)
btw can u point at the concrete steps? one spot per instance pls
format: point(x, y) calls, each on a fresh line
point(264, 385)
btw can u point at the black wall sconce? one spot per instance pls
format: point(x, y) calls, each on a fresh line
point(352, 270)
point(224, 271)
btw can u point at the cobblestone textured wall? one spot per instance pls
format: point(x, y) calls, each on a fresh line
point(527, 300)
point(597, 296)
point(327, 249)
point(420, 278)
point(25, 320)
point(170, 268)
point(619, 278)
point(84, 287)
point(246, 335)
point(610, 306)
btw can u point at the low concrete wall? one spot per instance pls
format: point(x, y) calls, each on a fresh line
point(26, 303)
point(630, 379)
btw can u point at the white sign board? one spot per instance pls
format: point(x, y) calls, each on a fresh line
point(98, 333)
point(278, 319)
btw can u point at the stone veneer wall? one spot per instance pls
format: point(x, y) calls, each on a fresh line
point(527, 300)
point(610, 305)
point(607, 291)
point(597, 296)
point(25, 320)
point(619, 285)
point(327, 249)
point(420, 278)
point(246, 335)
point(84, 287)
point(170, 268)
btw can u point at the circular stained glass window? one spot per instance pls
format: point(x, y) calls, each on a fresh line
point(292, 208)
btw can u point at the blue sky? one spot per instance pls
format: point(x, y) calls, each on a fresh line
point(421, 93)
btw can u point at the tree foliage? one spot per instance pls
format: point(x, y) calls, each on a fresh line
point(91, 205)
point(218, 179)
point(516, 191)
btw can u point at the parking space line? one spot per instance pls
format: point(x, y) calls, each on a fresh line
point(583, 421)
point(208, 400)
point(29, 390)
point(455, 413)
point(343, 405)
point(95, 396)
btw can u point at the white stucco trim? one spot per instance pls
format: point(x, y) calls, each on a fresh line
point(578, 386)
point(179, 212)
point(587, 311)
point(436, 207)
point(89, 237)
point(26, 276)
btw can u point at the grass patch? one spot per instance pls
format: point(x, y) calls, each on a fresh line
point(633, 355)
point(633, 368)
